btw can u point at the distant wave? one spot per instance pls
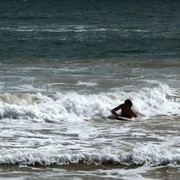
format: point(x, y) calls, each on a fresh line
point(80, 83)
point(65, 28)
point(91, 28)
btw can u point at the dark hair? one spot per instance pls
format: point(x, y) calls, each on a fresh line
point(128, 102)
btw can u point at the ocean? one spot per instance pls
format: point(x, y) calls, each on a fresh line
point(64, 64)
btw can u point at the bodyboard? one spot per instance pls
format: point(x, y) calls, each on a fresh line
point(119, 118)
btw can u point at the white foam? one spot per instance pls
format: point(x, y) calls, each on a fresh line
point(76, 107)
point(75, 136)
point(63, 28)
point(151, 155)
point(154, 101)
point(80, 83)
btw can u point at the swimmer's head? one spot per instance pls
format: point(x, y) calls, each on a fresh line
point(128, 102)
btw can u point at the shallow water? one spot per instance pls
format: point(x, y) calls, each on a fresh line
point(89, 172)
point(111, 149)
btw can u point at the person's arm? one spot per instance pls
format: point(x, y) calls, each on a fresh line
point(113, 111)
point(134, 114)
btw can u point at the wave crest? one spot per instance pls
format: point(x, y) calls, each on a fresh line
point(145, 155)
point(77, 107)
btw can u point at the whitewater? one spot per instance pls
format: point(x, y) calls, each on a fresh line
point(65, 128)
point(72, 106)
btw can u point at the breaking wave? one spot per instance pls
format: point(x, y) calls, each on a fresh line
point(152, 155)
point(73, 106)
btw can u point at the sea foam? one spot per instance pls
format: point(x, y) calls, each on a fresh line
point(72, 106)
point(152, 155)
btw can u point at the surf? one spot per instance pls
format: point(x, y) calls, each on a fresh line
point(151, 155)
point(73, 106)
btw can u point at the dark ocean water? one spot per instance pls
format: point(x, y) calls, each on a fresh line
point(89, 29)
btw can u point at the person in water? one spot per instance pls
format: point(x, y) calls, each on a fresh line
point(126, 110)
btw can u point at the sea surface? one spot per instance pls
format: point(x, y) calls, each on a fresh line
point(64, 64)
